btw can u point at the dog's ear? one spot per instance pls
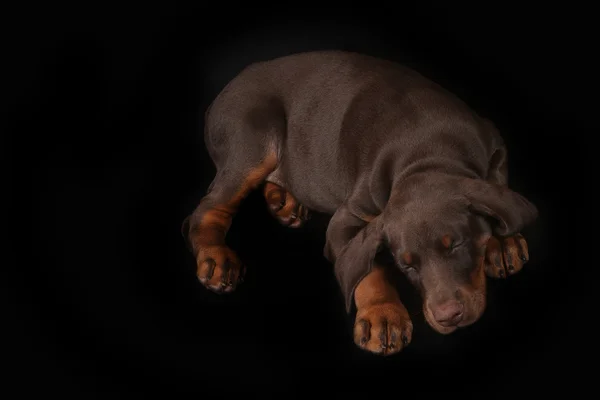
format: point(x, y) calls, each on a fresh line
point(355, 260)
point(185, 231)
point(510, 211)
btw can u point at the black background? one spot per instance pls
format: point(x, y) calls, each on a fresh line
point(105, 108)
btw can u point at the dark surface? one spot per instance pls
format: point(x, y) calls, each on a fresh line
point(106, 159)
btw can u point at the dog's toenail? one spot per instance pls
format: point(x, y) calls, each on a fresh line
point(511, 268)
point(363, 340)
point(219, 287)
point(523, 258)
point(404, 340)
point(501, 273)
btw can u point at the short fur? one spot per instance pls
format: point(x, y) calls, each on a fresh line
point(399, 163)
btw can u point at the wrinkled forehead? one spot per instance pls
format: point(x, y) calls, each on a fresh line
point(417, 231)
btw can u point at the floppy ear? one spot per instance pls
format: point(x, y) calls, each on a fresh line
point(511, 211)
point(355, 260)
point(185, 231)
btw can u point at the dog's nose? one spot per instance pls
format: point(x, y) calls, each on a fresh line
point(449, 313)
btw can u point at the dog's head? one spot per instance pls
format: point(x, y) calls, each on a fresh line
point(439, 243)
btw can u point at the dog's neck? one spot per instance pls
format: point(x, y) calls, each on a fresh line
point(423, 185)
point(431, 170)
point(430, 196)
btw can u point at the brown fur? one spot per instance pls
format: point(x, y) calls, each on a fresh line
point(506, 256)
point(284, 206)
point(382, 324)
point(218, 266)
point(402, 166)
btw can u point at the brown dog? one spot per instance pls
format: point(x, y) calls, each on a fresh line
point(400, 163)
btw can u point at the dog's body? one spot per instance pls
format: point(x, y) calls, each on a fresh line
point(397, 160)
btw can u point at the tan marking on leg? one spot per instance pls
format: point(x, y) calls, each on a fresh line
point(215, 222)
point(218, 267)
point(493, 259)
point(275, 196)
point(506, 256)
point(284, 206)
point(515, 253)
point(382, 324)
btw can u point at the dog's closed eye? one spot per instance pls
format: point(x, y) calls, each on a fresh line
point(457, 244)
point(451, 243)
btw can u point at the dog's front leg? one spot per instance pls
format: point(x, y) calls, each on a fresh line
point(504, 256)
point(382, 323)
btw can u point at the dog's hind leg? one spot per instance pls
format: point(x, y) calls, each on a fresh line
point(284, 206)
point(218, 267)
point(244, 154)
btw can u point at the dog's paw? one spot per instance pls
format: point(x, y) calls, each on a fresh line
point(504, 257)
point(283, 206)
point(383, 328)
point(219, 269)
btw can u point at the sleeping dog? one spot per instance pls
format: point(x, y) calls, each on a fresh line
point(399, 163)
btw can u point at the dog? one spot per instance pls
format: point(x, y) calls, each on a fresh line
point(399, 163)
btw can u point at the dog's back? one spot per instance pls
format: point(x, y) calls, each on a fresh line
point(339, 119)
